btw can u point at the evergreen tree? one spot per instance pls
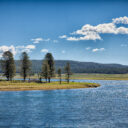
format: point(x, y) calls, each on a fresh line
point(39, 76)
point(67, 72)
point(59, 74)
point(45, 70)
point(8, 65)
point(48, 66)
point(25, 65)
point(30, 74)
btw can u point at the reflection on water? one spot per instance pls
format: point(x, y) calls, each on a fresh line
point(103, 107)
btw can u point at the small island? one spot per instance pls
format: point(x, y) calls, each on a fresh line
point(22, 86)
point(8, 83)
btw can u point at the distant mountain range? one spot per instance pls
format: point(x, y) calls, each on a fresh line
point(81, 67)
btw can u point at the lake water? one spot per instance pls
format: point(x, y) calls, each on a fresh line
point(102, 107)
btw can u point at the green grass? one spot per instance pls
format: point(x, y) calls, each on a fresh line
point(20, 86)
point(95, 76)
point(89, 76)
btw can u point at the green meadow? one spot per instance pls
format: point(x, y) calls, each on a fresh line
point(88, 76)
point(95, 76)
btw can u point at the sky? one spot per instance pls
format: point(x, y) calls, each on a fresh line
point(81, 30)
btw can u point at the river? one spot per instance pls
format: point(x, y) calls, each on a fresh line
point(102, 107)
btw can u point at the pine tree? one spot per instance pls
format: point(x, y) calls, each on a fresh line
point(48, 66)
point(59, 74)
point(25, 65)
point(45, 70)
point(39, 76)
point(8, 65)
point(67, 72)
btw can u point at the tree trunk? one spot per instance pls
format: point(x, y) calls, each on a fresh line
point(24, 78)
point(49, 80)
point(7, 78)
point(40, 79)
point(46, 80)
point(68, 78)
point(24, 75)
point(29, 80)
point(60, 80)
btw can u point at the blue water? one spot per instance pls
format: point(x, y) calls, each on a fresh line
point(102, 107)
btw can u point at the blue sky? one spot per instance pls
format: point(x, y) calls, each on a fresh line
point(94, 31)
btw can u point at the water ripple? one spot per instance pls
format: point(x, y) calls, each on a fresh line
point(103, 107)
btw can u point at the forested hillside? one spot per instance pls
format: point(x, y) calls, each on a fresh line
point(81, 67)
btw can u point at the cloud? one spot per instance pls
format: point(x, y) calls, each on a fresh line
point(44, 50)
point(95, 49)
point(90, 32)
point(30, 47)
point(63, 36)
point(72, 39)
point(88, 48)
point(23, 48)
point(16, 49)
point(7, 48)
point(98, 49)
point(38, 40)
point(120, 20)
point(63, 51)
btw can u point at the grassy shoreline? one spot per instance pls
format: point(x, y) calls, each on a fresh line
point(89, 76)
point(22, 86)
point(96, 76)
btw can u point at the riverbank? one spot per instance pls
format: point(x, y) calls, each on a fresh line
point(86, 76)
point(22, 86)
point(96, 76)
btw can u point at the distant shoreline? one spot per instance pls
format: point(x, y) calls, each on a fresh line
point(25, 86)
point(86, 76)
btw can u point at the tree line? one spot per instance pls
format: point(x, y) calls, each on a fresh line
point(48, 69)
point(78, 67)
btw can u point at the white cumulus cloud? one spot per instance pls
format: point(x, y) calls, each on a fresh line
point(5, 48)
point(30, 47)
point(16, 49)
point(90, 32)
point(98, 49)
point(38, 40)
point(120, 20)
point(72, 39)
point(23, 48)
point(88, 48)
point(63, 36)
point(44, 50)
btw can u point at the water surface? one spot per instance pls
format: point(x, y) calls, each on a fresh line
point(102, 107)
